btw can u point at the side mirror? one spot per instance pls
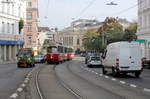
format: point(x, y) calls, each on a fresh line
point(16, 54)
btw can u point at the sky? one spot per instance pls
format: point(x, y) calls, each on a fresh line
point(60, 13)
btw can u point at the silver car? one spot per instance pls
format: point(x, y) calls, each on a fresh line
point(94, 61)
point(39, 58)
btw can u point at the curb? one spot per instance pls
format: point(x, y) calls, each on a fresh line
point(22, 87)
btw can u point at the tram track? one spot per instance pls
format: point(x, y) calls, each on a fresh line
point(61, 82)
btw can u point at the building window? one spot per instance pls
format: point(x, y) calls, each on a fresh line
point(78, 41)
point(29, 40)
point(29, 15)
point(12, 9)
point(8, 28)
point(19, 13)
point(3, 7)
point(29, 4)
point(29, 27)
point(3, 27)
point(13, 30)
point(8, 9)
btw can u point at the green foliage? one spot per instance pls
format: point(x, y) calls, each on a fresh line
point(130, 32)
point(111, 31)
point(21, 25)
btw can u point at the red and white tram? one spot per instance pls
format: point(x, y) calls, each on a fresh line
point(58, 53)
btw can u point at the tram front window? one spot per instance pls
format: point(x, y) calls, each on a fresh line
point(52, 49)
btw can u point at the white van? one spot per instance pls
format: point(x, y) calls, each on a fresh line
point(123, 58)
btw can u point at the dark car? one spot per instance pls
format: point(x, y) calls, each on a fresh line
point(25, 58)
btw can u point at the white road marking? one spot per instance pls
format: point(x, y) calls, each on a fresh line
point(122, 82)
point(19, 90)
point(146, 89)
point(14, 96)
point(132, 85)
point(23, 85)
point(106, 77)
point(113, 79)
point(101, 74)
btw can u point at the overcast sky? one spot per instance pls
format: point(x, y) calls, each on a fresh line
point(60, 13)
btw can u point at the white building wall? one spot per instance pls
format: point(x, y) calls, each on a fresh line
point(9, 26)
point(144, 26)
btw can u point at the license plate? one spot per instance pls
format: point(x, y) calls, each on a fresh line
point(24, 65)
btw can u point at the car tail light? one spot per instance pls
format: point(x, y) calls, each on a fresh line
point(117, 61)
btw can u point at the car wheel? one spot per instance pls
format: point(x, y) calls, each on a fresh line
point(103, 70)
point(18, 66)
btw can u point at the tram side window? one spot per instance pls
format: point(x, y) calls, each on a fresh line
point(60, 49)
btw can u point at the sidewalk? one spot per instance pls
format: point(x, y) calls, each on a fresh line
point(7, 62)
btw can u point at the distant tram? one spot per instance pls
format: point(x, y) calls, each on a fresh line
point(58, 53)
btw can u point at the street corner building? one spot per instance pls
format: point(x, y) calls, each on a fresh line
point(11, 40)
point(143, 32)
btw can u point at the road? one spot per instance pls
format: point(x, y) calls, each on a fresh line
point(10, 78)
point(91, 84)
point(73, 80)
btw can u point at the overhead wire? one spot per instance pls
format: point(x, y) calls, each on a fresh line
point(125, 10)
point(85, 9)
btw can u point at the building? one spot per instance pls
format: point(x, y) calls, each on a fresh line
point(124, 22)
point(31, 25)
point(143, 31)
point(11, 11)
point(44, 33)
point(73, 35)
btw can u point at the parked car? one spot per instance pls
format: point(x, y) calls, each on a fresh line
point(39, 58)
point(94, 61)
point(87, 57)
point(123, 57)
point(25, 58)
point(145, 63)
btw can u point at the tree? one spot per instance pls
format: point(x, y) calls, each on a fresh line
point(111, 31)
point(130, 32)
point(21, 25)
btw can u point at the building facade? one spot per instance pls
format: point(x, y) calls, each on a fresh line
point(11, 12)
point(73, 35)
point(143, 32)
point(44, 33)
point(31, 25)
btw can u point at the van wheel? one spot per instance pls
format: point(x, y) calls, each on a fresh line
point(103, 70)
point(137, 74)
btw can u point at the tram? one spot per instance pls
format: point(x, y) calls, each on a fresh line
point(58, 53)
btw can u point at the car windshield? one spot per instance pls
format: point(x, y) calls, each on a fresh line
point(24, 54)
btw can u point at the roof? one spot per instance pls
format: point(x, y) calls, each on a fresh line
point(43, 29)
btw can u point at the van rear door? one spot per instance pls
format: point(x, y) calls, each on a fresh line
point(130, 58)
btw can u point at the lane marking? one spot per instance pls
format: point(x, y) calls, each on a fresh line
point(146, 89)
point(14, 96)
point(132, 85)
point(106, 77)
point(113, 79)
point(19, 90)
point(122, 82)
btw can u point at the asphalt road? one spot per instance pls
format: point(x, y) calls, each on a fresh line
point(90, 84)
point(10, 79)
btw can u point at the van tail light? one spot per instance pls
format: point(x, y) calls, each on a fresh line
point(117, 61)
